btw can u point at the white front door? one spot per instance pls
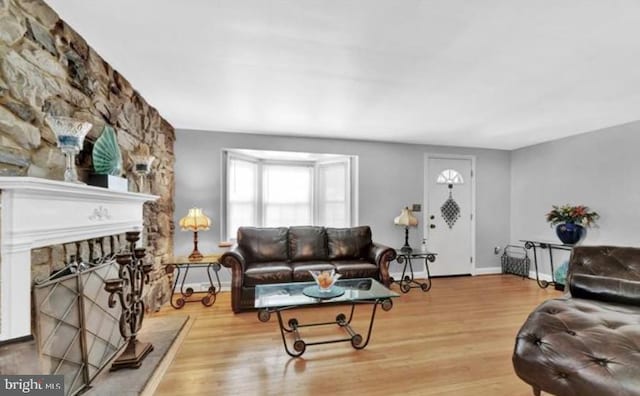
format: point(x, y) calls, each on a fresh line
point(449, 214)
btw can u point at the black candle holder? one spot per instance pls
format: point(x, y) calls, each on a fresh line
point(127, 290)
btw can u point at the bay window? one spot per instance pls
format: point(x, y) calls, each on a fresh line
point(279, 189)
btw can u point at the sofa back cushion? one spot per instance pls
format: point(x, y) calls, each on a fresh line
point(604, 288)
point(605, 273)
point(610, 261)
point(263, 244)
point(307, 243)
point(348, 243)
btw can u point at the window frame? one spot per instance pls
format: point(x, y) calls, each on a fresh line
point(351, 186)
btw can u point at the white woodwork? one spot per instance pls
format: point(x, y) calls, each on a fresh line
point(39, 212)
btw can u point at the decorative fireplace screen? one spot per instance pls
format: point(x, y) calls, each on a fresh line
point(77, 333)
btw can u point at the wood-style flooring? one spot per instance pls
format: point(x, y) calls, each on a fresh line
point(456, 339)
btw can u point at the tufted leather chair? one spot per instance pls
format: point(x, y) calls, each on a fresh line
point(280, 255)
point(587, 342)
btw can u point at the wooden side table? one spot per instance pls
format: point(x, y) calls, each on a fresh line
point(178, 264)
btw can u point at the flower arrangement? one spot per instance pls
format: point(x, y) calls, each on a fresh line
point(579, 214)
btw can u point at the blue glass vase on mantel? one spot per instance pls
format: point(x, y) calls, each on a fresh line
point(570, 233)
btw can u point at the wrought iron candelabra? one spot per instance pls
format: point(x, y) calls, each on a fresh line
point(127, 289)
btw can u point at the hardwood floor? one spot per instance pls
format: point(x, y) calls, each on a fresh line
point(456, 339)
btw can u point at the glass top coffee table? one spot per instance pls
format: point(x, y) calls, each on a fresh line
point(286, 296)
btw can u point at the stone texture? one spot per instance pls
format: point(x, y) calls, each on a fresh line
point(30, 85)
point(71, 39)
point(40, 272)
point(47, 68)
point(77, 70)
point(10, 29)
point(84, 253)
point(23, 111)
point(37, 171)
point(11, 170)
point(40, 11)
point(23, 133)
point(106, 246)
point(48, 157)
point(41, 256)
point(70, 252)
point(96, 249)
point(45, 61)
point(15, 157)
point(57, 257)
point(4, 89)
point(41, 35)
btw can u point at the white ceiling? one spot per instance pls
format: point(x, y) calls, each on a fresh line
point(491, 73)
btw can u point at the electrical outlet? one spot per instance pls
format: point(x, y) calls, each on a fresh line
point(416, 208)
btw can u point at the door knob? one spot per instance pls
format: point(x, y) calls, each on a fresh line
point(432, 226)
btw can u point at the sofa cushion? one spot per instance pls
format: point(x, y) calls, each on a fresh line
point(307, 243)
point(263, 244)
point(266, 273)
point(604, 288)
point(301, 269)
point(358, 268)
point(348, 243)
point(580, 347)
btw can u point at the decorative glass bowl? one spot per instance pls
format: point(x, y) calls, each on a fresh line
point(70, 135)
point(325, 279)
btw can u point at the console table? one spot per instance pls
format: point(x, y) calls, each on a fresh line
point(210, 264)
point(407, 280)
point(550, 246)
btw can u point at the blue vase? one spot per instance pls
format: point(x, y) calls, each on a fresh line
point(570, 233)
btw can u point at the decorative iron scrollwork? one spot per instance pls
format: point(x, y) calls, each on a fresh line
point(127, 290)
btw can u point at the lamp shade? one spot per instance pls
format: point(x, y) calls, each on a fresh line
point(195, 220)
point(406, 219)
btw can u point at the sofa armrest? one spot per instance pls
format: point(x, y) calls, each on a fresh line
point(382, 255)
point(235, 259)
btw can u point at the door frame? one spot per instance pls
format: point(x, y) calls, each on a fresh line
point(425, 230)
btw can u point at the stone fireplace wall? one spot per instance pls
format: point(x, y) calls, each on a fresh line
point(47, 68)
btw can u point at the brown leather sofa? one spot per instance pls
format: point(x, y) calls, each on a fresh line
point(588, 342)
point(279, 255)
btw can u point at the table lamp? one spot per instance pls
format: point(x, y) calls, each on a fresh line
point(195, 221)
point(407, 220)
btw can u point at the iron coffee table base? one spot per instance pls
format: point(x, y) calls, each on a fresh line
point(299, 345)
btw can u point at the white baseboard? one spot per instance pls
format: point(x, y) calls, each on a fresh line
point(541, 276)
point(416, 274)
point(488, 270)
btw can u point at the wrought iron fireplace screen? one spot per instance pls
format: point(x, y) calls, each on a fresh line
point(77, 332)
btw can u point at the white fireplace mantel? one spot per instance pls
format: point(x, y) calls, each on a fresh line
point(39, 212)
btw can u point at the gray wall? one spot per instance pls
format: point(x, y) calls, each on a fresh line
point(599, 169)
point(390, 177)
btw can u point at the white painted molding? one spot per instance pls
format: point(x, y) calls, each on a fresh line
point(40, 212)
point(488, 270)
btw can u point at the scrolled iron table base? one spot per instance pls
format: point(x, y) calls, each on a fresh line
point(186, 293)
point(299, 346)
point(407, 280)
